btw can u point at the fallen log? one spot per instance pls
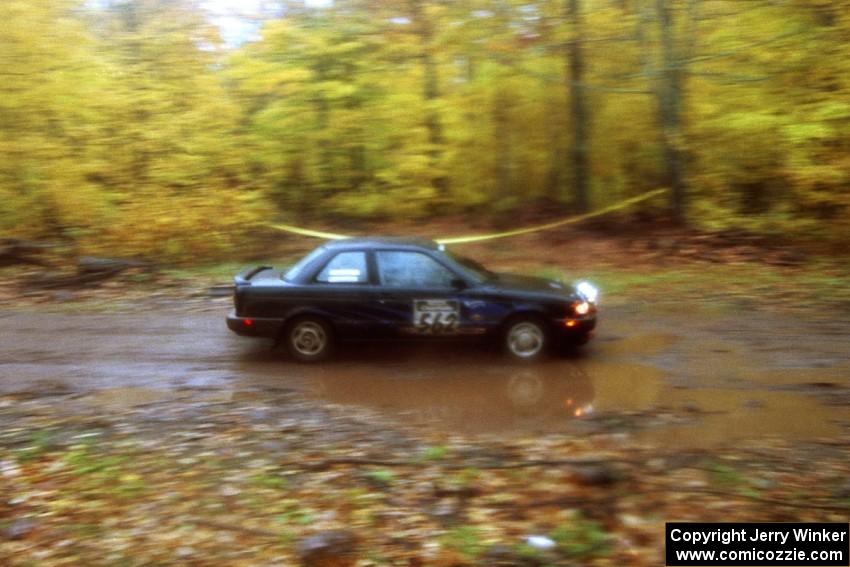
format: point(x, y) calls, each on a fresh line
point(90, 270)
point(14, 251)
point(58, 282)
point(92, 264)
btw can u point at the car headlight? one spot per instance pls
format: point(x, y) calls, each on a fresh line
point(588, 291)
point(581, 308)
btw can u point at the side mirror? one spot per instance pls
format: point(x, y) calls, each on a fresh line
point(459, 284)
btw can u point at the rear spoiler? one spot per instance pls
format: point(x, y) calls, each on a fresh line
point(244, 277)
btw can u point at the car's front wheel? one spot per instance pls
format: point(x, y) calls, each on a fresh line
point(526, 339)
point(309, 339)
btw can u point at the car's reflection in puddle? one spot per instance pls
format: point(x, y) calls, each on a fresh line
point(460, 397)
point(447, 389)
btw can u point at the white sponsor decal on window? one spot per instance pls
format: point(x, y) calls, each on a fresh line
point(343, 275)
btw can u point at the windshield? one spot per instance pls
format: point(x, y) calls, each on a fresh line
point(293, 272)
point(476, 269)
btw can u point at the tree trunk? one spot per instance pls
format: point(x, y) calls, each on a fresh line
point(431, 93)
point(554, 133)
point(357, 174)
point(502, 132)
point(578, 107)
point(327, 171)
point(669, 95)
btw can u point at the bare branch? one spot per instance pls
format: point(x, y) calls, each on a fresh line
point(355, 461)
point(607, 89)
point(743, 48)
point(726, 77)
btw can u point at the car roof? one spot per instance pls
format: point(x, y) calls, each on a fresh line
point(375, 242)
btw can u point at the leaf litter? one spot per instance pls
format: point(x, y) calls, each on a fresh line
point(204, 480)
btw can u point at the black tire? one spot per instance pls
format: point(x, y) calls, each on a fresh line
point(309, 339)
point(526, 338)
point(582, 340)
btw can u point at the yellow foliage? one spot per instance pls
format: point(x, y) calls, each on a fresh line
point(129, 130)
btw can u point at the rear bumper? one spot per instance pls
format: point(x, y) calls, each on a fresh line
point(254, 326)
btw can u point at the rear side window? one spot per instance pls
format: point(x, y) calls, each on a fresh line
point(412, 269)
point(295, 270)
point(345, 267)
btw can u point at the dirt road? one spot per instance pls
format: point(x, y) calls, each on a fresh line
point(681, 377)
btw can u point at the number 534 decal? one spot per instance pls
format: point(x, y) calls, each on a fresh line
point(436, 316)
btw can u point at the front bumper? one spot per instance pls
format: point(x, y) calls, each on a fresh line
point(575, 329)
point(254, 326)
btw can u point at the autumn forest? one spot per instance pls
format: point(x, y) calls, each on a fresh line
point(130, 127)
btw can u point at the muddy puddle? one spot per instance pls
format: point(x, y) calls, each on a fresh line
point(716, 417)
point(480, 397)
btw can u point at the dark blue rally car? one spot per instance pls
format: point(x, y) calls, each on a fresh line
point(406, 289)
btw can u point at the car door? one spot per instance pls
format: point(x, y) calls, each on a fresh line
point(418, 296)
point(343, 290)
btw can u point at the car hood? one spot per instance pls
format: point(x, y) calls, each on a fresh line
point(530, 283)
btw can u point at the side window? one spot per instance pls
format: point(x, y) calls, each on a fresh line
point(345, 267)
point(295, 270)
point(412, 269)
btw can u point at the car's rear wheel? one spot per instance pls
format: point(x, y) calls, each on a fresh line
point(309, 339)
point(526, 339)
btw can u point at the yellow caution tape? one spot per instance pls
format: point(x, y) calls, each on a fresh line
point(571, 220)
point(308, 232)
point(480, 237)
